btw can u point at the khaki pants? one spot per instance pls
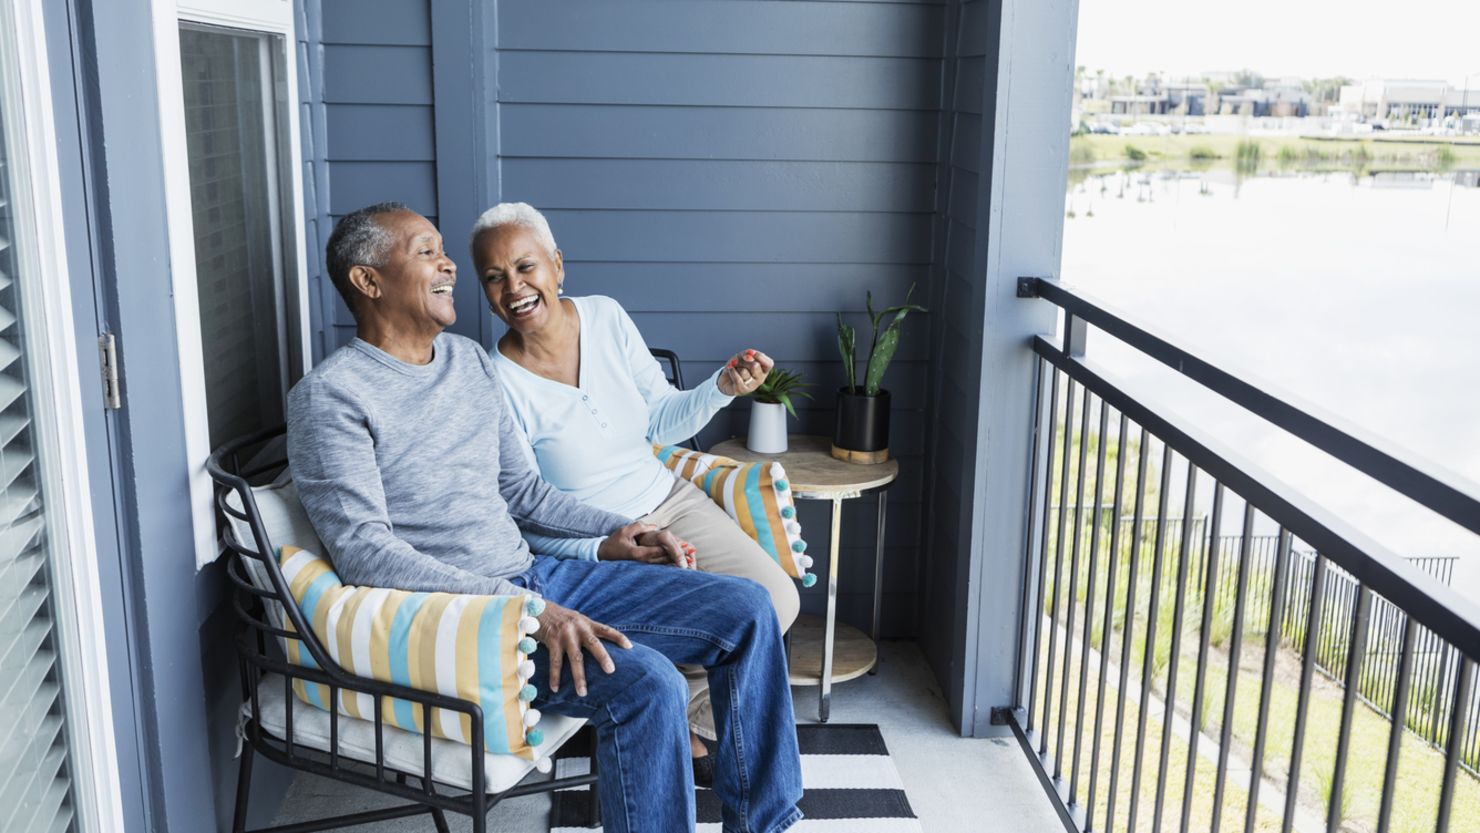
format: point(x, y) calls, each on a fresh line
point(722, 548)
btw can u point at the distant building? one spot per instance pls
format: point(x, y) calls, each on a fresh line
point(1407, 100)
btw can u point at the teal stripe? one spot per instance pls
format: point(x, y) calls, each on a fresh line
point(491, 676)
point(709, 477)
point(309, 605)
point(758, 513)
point(400, 659)
point(664, 453)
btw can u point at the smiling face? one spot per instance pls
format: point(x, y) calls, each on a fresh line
point(519, 275)
point(413, 290)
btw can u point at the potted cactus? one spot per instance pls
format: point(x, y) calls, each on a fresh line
point(770, 403)
point(862, 432)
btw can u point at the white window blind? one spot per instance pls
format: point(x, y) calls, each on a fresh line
point(36, 794)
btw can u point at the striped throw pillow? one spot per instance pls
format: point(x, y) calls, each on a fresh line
point(756, 495)
point(474, 648)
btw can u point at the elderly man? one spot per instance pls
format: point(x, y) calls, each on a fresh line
point(403, 451)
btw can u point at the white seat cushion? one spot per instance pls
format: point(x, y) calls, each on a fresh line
point(451, 762)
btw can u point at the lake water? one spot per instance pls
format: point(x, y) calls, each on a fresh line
point(1359, 294)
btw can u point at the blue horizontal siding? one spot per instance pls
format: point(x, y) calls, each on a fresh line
point(354, 185)
point(679, 287)
point(743, 133)
point(377, 75)
point(720, 185)
point(719, 80)
point(381, 133)
point(398, 23)
point(744, 236)
point(792, 27)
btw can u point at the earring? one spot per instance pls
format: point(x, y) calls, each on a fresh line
point(559, 289)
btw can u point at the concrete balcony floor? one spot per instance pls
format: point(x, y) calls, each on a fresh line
point(955, 784)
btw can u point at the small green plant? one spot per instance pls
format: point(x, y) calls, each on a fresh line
point(881, 350)
point(1080, 153)
point(1201, 153)
point(1247, 155)
point(1134, 153)
point(780, 387)
point(1288, 156)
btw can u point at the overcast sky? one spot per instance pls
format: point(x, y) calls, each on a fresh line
point(1358, 38)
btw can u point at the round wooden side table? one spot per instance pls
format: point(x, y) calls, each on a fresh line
point(825, 652)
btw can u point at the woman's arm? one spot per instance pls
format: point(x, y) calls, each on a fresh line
point(673, 415)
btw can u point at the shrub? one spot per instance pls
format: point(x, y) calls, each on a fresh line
point(1202, 152)
point(1289, 155)
point(1081, 153)
point(1247, 155)
point(1135, 154)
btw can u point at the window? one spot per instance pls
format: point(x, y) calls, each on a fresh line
point(227, 86)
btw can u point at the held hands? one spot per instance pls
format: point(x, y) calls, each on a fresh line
point(744, 373)
point(566, 634)
point(646, 543)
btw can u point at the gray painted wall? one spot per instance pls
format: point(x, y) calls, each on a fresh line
point(732, 172)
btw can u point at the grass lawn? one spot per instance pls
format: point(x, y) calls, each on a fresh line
point(1419, 771)
point(1369, 153)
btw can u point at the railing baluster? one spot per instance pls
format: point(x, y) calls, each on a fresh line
point(1179, 609)
point(1235, 649)
point(1089, 604)
point(1464, 685)
point(1210, 592)
point(1399, 720)
point(1149, 654)
point(1079, 477)
point(1356, 654)
point(1142, 460)
point(1266, 686)
point(1043, 470)
point(1307, 671)
point(1058, 561)
point(1108, 625)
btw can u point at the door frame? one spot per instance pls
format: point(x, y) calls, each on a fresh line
point(74, 552)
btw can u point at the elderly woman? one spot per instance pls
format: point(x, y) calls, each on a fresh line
point(591, 400)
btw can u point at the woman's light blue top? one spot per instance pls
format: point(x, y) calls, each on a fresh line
point(595, 441)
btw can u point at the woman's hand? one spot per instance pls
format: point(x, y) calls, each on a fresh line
point(744, 373)
point(566, 634)
point(646, 543)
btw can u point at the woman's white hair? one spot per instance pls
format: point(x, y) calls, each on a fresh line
point(517, 214)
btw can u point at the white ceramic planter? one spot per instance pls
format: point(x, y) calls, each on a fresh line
point(767, 428)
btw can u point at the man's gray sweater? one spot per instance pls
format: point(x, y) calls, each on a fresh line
point(412, 476)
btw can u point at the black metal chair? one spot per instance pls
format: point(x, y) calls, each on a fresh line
point(266, 609)
point(674, 374)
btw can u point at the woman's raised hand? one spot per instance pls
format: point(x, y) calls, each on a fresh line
point(745, 372)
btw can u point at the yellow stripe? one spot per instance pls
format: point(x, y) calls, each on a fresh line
point(468, 659)
point(345, 638)
point(421, 654)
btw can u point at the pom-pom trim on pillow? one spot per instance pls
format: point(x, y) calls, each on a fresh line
point(756, 495)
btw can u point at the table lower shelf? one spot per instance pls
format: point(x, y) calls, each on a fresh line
point(853, 652)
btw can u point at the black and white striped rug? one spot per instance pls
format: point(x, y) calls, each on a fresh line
point(850, 784)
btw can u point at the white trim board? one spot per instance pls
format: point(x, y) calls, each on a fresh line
point(273, 17)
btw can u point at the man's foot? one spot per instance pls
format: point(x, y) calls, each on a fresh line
point(699, 748)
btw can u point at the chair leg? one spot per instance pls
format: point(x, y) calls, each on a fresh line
point(593, 818)
point(439, 818)
point(243, 790)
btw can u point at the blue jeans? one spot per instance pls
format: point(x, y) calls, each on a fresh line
point(723, 623)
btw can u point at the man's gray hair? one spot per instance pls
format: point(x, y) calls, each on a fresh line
point(516, 214)
point(359, 240)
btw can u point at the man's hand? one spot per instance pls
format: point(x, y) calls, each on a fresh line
point(565, 634)
point(646, 543)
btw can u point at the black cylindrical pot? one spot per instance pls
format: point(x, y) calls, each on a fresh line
point(863, 421)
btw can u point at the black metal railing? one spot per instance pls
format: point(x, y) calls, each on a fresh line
point(1168, 668)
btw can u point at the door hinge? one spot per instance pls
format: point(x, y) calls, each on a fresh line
point(108, 353)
